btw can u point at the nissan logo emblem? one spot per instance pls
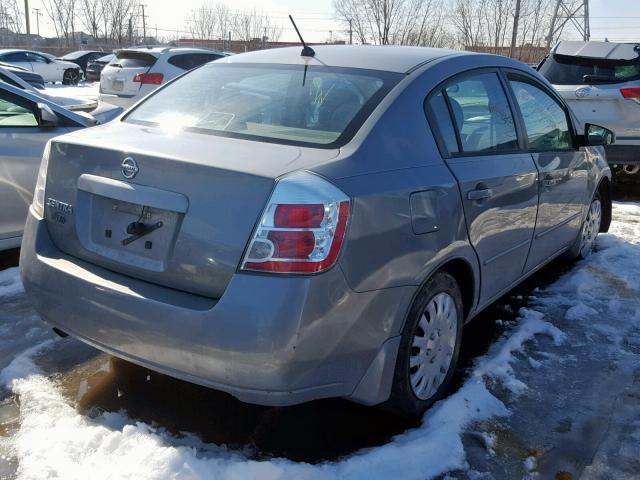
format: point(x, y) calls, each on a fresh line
point(129, 167)
point(583, 92)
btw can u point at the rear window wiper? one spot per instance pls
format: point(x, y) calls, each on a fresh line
point(599, 79)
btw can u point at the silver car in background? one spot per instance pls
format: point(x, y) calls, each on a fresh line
point(601, 83)
point(286, 228)
point(27, 122)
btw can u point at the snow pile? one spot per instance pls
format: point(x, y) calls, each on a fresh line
point(55, 441)
point(10, 283)
point(117, 448)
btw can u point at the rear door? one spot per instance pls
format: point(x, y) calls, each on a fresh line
point(497, 179)
point(118, 76)
point(22, 142)
point(563, 167)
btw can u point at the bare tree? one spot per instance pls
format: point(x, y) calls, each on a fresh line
point(62, 15)
point(398, 22)
point(91, 13)
point(11, 17)
point(202, 22)
point(120, 18)
point(252, 25)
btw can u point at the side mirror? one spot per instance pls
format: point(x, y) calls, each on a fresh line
point(47, 117)
point(595, 135)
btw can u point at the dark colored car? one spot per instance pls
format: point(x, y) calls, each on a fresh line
point(94, 67)
point(34, 79)
point(82, 58)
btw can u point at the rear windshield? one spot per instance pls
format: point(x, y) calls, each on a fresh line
point(319, 106)
point(133, 60)
point(567, 70)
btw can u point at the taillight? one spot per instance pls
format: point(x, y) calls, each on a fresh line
point(630, 92)
point(302, 228)
point(149, 78)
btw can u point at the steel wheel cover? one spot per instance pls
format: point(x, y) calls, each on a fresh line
point(433, 345)
point(590, 228)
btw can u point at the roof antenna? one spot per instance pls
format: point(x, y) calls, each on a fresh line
point(307, 51)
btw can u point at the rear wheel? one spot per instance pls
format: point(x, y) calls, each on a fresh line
point(71, 77)
point(429, 348)
point(589, 231)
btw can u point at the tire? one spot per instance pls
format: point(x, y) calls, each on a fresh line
point(71, 77)
point(438, 306)
point(583, 245)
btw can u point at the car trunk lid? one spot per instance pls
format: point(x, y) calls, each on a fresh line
point(199, 197)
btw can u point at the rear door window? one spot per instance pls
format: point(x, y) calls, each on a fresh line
point(544, 118)
point(187, 61)
point(442, 118)
point(129, 59)
point(567, 70)
point(481, 114)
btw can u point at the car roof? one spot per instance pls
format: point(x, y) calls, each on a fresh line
point(157, 51)
point(20, 50)
point(388, 58)
point(603, 50)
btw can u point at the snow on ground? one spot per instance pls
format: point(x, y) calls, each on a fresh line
point(599, 296)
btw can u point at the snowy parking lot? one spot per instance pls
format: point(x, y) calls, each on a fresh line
point(548, 388)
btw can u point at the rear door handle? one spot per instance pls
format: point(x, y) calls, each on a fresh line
point(479, 194)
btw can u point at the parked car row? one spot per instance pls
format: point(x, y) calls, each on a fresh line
point(286, 228)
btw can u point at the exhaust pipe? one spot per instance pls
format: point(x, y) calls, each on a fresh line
point(631, 169)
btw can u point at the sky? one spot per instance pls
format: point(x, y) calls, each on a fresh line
point(617, 20)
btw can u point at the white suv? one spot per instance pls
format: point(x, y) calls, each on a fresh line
point(601, 83)
point(135, 72)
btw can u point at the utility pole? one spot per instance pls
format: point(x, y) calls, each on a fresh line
point(38, 13)
point(579, 18)
point(26, 16)
point(130, 32)
point(514, 34)
point(144, 24)
point(351, 31)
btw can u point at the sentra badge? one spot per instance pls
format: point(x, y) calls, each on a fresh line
point(61, 207)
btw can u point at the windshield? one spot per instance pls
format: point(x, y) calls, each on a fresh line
point(322, 106)
point(567, 70)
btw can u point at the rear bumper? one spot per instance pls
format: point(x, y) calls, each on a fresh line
point(124, 101)
point(269, 340)
point(623, 154)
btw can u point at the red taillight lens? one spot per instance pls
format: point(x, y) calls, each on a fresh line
point(302, 228)
point(149, 78)
point(292, 251)
point(292, 244)
point(630, 92)
point(299, 216)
